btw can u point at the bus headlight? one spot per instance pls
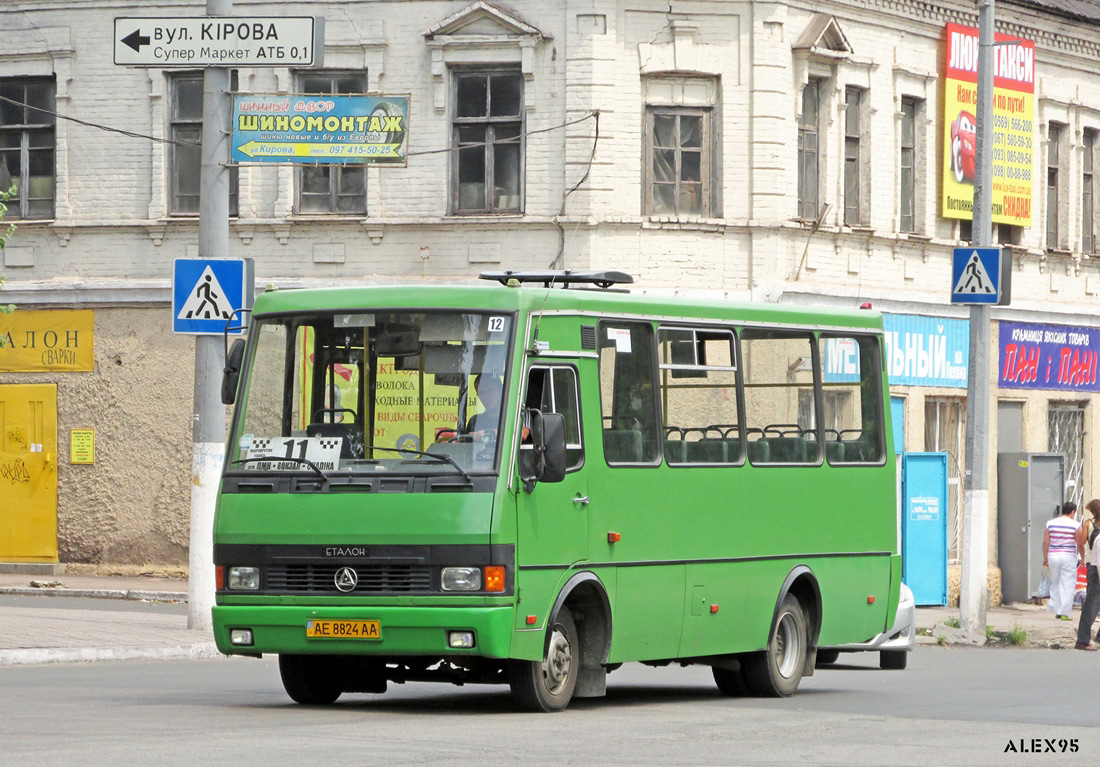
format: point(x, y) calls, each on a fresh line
point(461, 579)
point(244, 578)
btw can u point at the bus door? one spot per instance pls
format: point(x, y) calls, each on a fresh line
point(552, 521)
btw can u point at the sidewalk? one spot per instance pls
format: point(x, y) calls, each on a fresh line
point(35, 630)
point(1042, 627)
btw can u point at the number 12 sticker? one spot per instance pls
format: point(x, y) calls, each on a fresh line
point(496, 324)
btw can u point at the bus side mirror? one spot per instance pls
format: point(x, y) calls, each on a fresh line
point(232, 372)
point(548, 460)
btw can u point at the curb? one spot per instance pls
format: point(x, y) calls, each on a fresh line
point(36, 656)
point(146, 596)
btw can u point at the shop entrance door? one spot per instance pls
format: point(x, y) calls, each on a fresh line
point(28, 473)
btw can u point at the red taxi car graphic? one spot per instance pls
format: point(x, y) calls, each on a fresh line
point(962, 147)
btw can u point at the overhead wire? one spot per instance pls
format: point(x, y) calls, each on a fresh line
point(471, 145)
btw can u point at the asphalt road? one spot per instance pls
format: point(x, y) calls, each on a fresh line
point(952, 706)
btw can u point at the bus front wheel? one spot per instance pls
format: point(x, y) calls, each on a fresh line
point(548, 685)
point(313, 680)
point(776, 672)
point(893, 660)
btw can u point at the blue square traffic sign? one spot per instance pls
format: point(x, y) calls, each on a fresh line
point(980, 276)
point(207, 291)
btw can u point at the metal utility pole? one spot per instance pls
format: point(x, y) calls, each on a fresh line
point(208, 431)
point(973, 591)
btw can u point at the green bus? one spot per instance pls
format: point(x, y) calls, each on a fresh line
point(536, 479)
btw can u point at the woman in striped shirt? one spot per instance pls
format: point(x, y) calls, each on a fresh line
point(1061, 553)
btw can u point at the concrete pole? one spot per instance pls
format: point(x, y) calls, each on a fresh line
point(208, 432)
point(973, 591)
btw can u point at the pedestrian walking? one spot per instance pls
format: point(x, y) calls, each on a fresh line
point(1061, 553)
point(1086, 535)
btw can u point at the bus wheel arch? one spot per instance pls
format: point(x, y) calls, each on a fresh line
point(790, 651)
point(802, 583)
point(586, 599)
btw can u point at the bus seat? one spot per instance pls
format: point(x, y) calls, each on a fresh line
point(834, 451)
point(674, 451)
point(759, 451)
point(813, 450)
point(622, 445)
point(707, 451)
point(733, 449)
point(787, 449)
point(351, 447)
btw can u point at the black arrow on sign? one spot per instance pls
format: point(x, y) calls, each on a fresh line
point(135, 40)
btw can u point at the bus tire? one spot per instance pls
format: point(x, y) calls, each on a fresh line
point(312, 680)
point(730, 683)
point(548, 685)
point(827, 657)
point(776, 672)
point(893, 660)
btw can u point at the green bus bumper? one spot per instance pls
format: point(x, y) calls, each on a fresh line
point(404, 630)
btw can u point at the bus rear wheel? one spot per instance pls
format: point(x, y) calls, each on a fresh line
point(312, 680)
point(776, 672)
point(548, 685)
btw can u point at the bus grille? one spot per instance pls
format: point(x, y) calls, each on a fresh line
point(373, 579)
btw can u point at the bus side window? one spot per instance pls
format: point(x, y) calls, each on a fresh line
point(699, 396)
point(554, 390)
point(852, 411)
point(780, 412)
point(628, 407)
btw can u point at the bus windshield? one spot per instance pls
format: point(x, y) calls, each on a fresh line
point(373, 391)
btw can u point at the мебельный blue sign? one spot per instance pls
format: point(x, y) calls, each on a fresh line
point(207, 291)
point(320, 129)
point(1054, 357)
point(920, 351)
point(981, 276)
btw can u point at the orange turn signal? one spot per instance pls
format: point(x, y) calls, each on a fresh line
point(870, 600)
point(219, 577)
point(494, 578)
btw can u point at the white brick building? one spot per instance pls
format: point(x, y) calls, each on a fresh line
point(724, 206)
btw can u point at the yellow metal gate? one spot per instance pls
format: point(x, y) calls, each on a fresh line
point(28, 473)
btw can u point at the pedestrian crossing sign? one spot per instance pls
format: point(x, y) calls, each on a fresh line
point(206, 293)
point(981, 276)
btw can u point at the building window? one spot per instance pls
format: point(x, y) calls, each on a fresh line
point(1007, 234)
point(808, 150)
point(853, 157)
point(185, 129)
point(1066, 435)
point(907, 218)
point(332, 188)
point(1088, 199)
point(1054, 138)
point(679, 170)
point(27, 139)
point(487, 131)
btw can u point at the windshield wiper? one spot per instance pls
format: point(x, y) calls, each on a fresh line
point(273, 459)
point(435, 456)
